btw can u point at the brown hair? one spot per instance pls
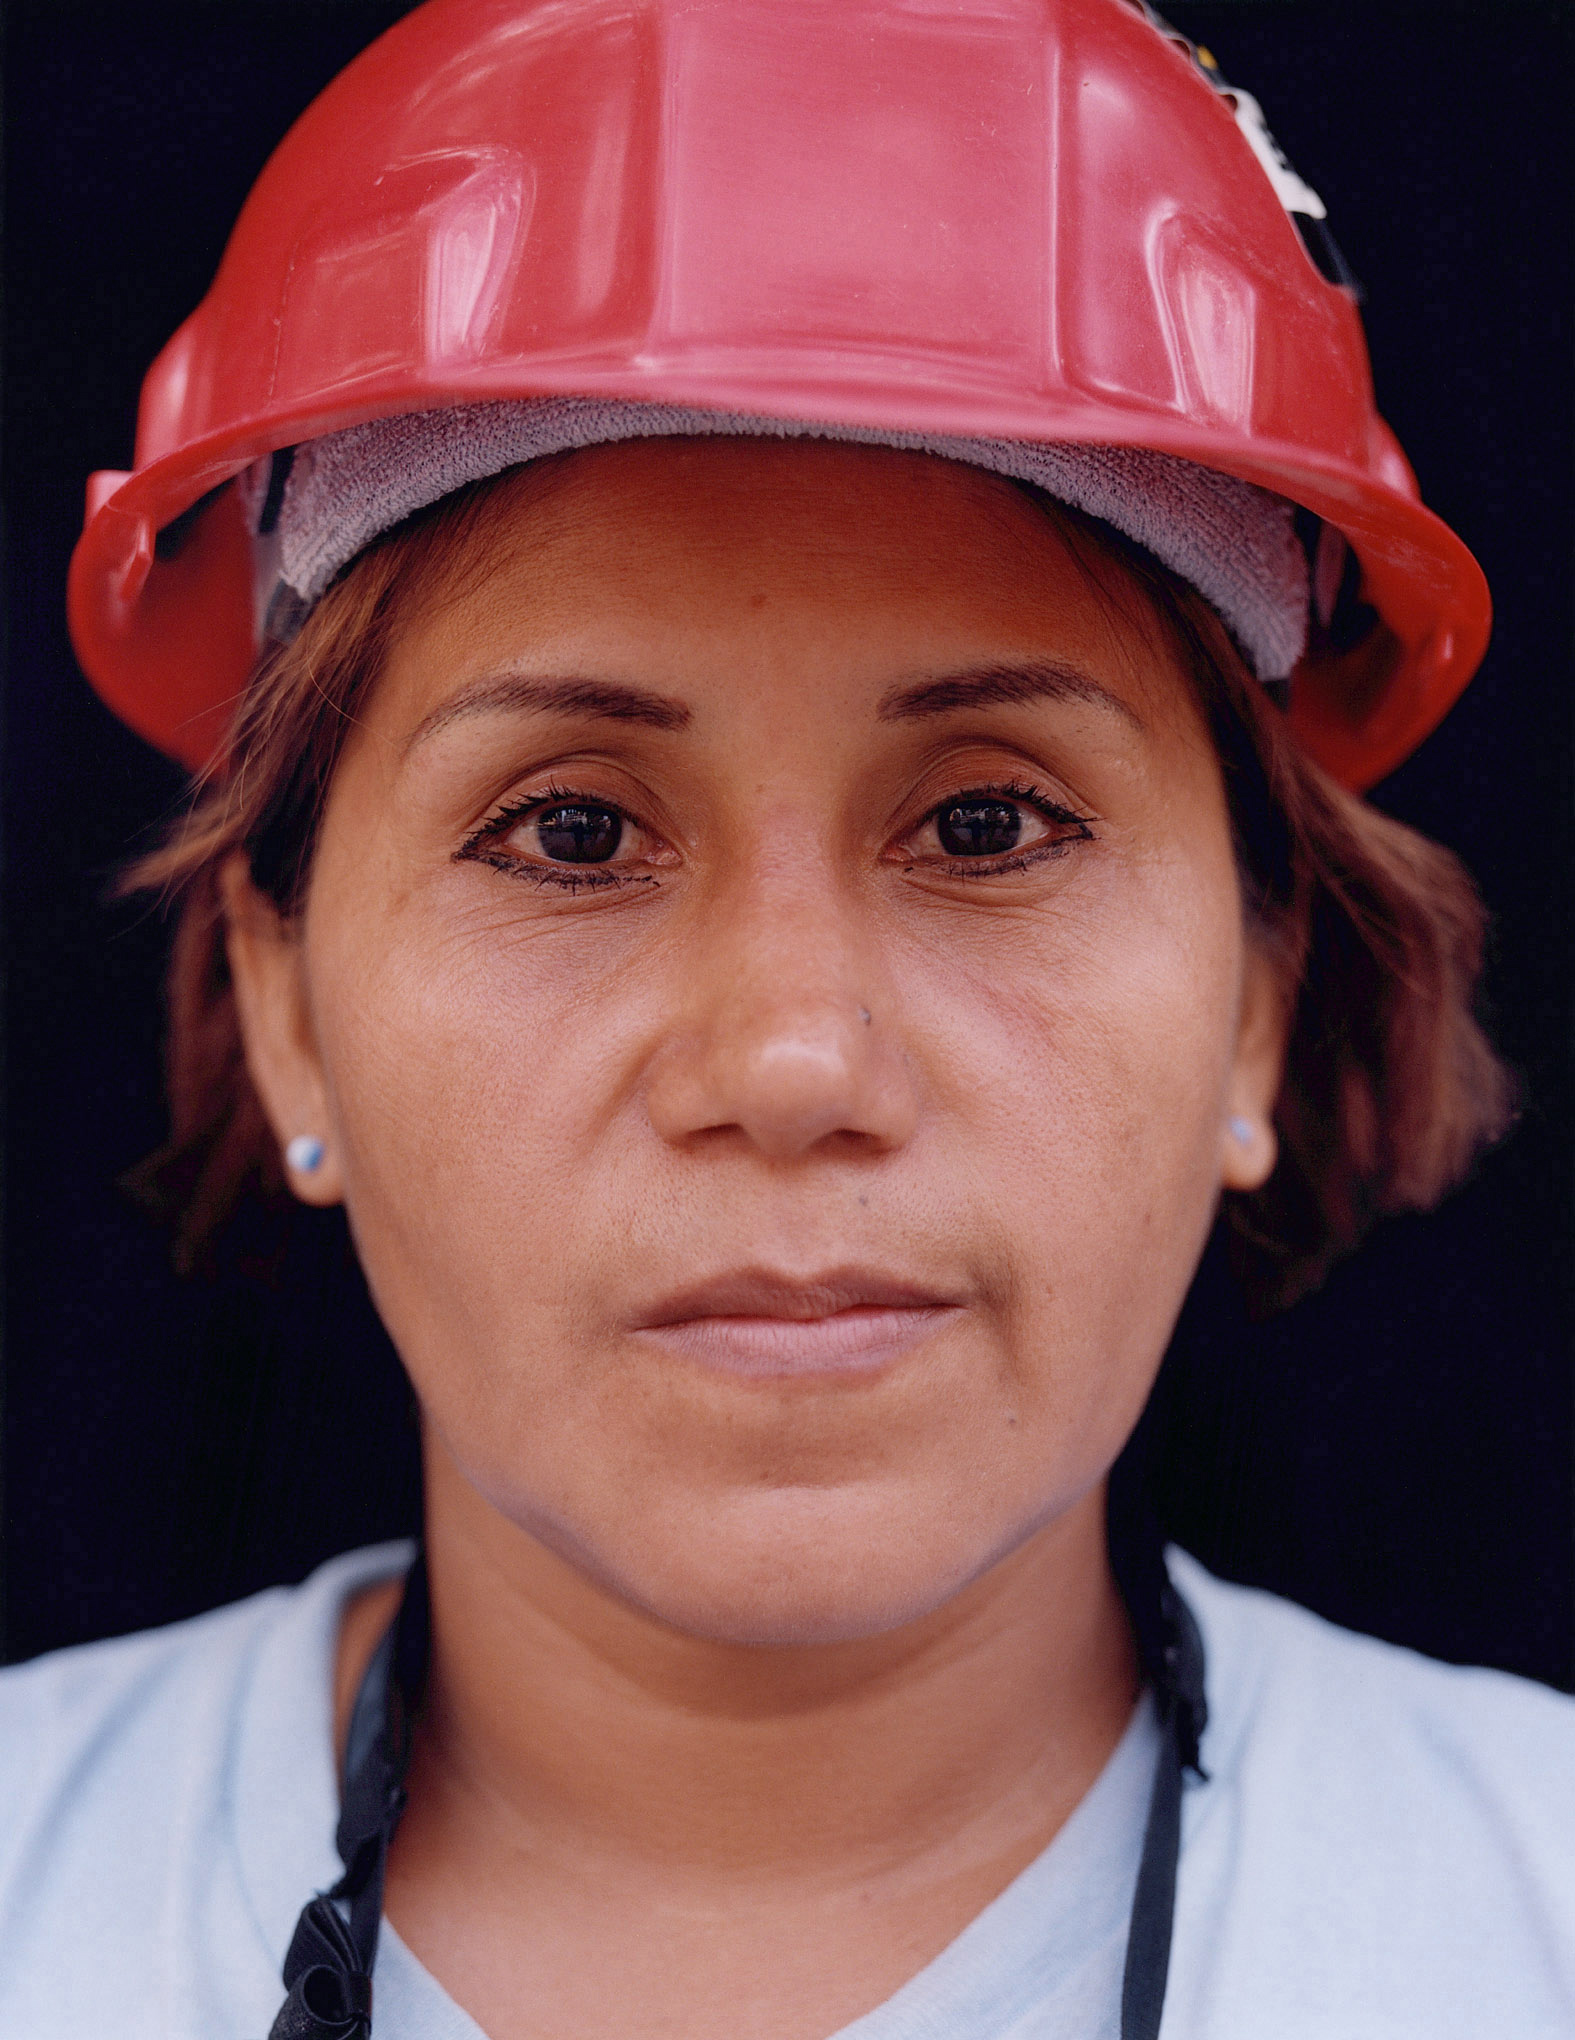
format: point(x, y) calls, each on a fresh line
point(1391, 1088)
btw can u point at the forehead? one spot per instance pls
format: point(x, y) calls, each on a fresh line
point(690, 560)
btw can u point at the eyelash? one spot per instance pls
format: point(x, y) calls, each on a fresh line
point(568, 878)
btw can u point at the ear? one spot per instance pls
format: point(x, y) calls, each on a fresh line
point(1249, 1145)
point(267, 967)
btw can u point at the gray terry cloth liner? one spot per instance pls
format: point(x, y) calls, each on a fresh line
point(1235, 543)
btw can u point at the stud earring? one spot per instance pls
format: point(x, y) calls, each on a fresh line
point(1242, 1130)
point(305, 1153)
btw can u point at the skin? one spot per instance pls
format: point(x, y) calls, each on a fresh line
point(752, 1685)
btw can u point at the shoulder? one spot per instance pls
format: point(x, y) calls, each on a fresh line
point(1290, 1693)
point(1382, 1839)
point(147, 1787)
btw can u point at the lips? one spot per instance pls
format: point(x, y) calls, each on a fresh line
point(760, 1324)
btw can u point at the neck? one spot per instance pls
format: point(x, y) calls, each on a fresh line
point(564, 1716)
point(617, 1827)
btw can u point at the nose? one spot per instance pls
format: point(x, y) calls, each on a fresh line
point(788, 1035)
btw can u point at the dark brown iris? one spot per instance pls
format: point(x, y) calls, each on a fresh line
point(579, 835)
point(979, 827)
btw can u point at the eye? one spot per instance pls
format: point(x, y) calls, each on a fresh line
point(563, 838)
point(989, 829)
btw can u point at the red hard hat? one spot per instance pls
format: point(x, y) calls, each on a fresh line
point(1001, 219)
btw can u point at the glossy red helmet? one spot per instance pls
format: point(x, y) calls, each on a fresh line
point(1041, 220)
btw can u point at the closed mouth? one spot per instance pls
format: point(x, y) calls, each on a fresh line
point(760, 1324)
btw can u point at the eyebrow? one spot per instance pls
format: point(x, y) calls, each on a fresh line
point(513, 694)
point(1002, 687)
point(615, 701)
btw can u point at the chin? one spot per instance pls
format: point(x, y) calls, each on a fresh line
point(798, 1566)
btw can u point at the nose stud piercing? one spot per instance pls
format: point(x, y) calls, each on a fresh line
point(1241, 1130)
point(305, 1153)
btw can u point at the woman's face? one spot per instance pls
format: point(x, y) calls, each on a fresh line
point(773, 989)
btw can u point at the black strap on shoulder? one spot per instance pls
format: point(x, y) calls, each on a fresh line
point(1170, 1657)
point(328, 1967)
point(1181, 1708)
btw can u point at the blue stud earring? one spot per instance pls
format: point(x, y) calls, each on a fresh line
point(1242, 1130)
point(305, 1153)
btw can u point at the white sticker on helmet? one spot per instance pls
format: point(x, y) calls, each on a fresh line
point(1293, 192)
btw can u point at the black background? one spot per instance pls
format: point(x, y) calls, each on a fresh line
point(1396, 1452)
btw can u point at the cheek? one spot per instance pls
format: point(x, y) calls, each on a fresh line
point(1081, 1063)
point(476, 1074)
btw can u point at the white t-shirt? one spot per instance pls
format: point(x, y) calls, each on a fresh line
point(1385, 1847)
